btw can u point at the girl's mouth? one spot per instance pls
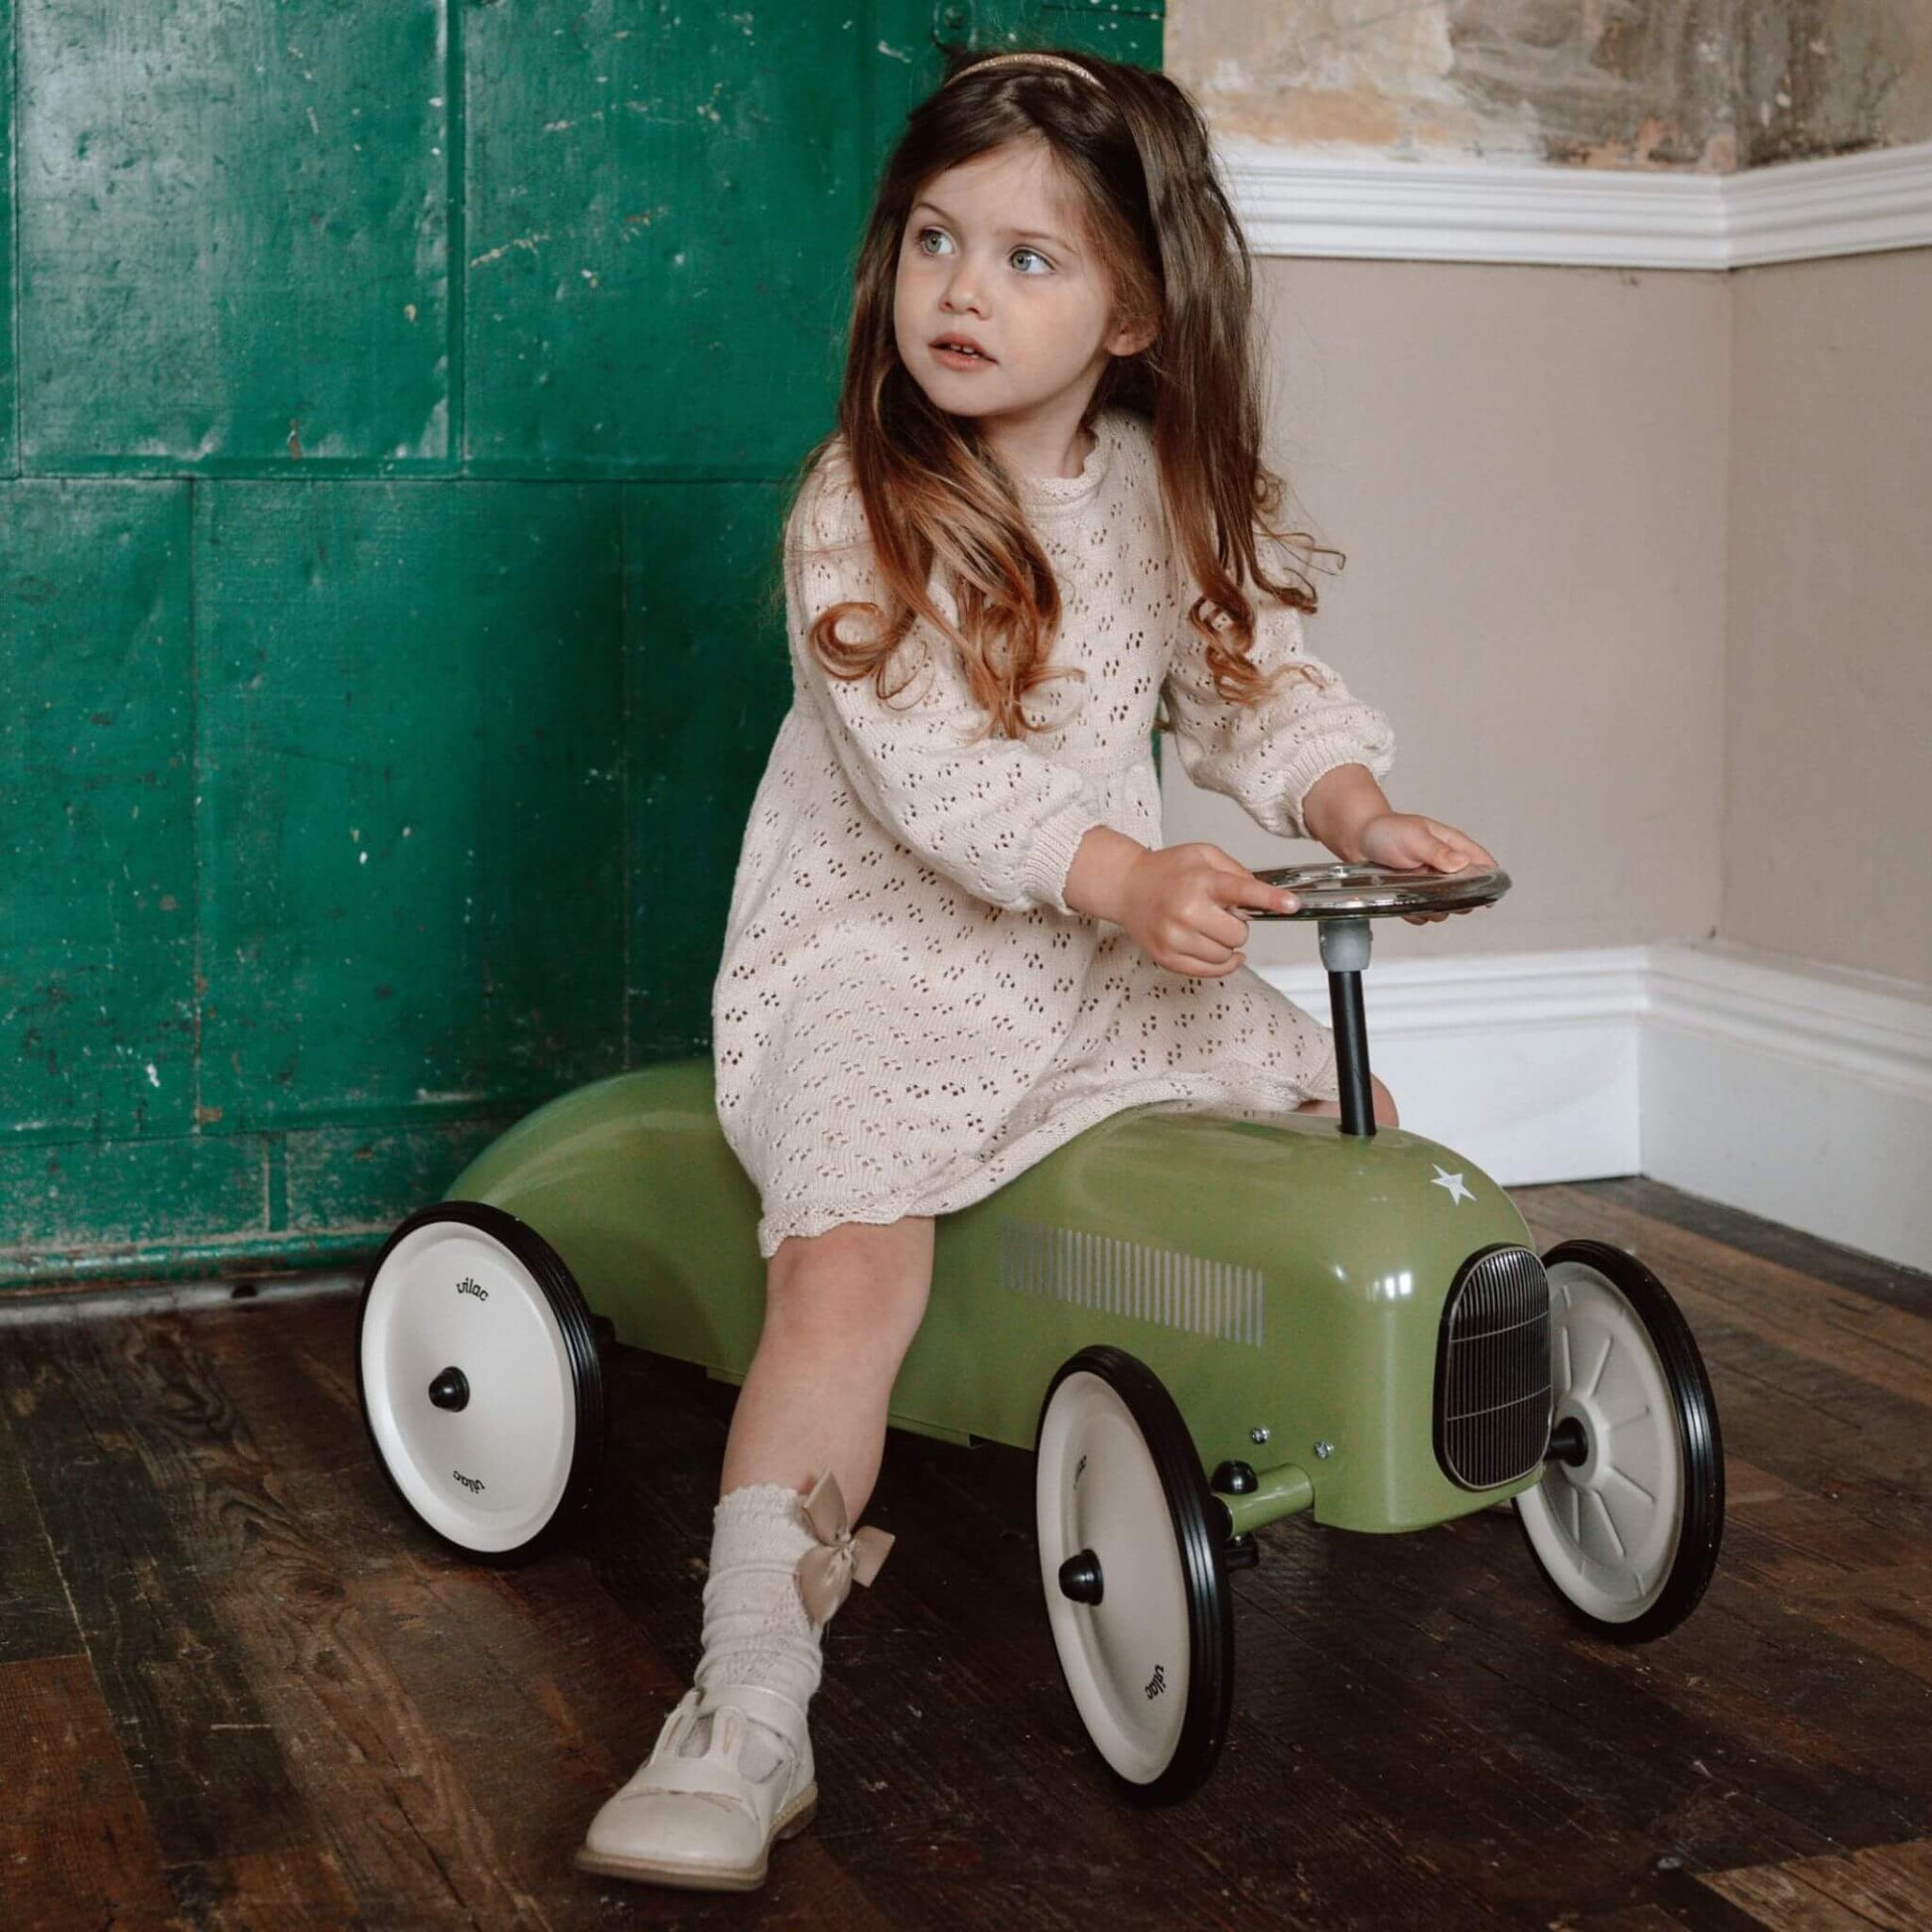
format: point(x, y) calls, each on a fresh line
point(957, 358)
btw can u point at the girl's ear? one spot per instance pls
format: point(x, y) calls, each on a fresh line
point(1130, 337)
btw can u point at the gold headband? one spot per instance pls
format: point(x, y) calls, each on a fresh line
point(1020, 55)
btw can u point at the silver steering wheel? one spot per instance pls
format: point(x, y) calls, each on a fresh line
point(1341, 891)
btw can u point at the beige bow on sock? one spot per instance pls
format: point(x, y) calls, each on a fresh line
point(843, 1556)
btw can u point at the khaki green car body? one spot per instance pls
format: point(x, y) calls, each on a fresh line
point(1286, 1281)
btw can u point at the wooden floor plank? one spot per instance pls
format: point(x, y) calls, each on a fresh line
point(301, 1890)
point(1889, 1885)
point(76, 1846)
point(551, 1699)
point(1777, 1898)
point(1807, 1725)
point(398, 1821)
point(558, 1638)
point(1884, 1609)
point(207, 1765)
point(37, 1617)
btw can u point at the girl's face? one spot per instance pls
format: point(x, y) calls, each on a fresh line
point(993, 253)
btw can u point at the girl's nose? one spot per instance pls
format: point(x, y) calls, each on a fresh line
point(962, 292)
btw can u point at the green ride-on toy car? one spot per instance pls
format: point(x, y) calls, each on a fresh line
point(1200, 1323)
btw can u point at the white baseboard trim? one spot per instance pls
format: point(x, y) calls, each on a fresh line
point(1363, 205)
point(1527, 1062)
point(1802, 1095)
point(1806, 1098)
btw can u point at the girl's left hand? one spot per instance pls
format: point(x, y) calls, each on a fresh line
point(1407, 839)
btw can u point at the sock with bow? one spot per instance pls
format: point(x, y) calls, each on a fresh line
point(774, 1551)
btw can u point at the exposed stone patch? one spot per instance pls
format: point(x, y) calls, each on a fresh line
point(1697, 85)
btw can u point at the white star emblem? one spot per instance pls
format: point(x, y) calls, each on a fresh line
point(1452, 1186)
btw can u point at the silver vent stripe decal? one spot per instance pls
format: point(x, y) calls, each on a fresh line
point(1131, 1277)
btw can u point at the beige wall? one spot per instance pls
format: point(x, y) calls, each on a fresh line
point(1827, 839)
point(1527, 468)
point(1639, 565)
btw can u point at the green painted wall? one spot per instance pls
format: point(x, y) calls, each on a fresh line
point(395, 403)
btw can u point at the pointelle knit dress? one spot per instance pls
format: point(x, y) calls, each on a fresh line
point(906, 1012)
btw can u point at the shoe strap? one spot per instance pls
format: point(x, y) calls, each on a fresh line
point(709, 1776)
point(677, 1722)
point(783, 1715)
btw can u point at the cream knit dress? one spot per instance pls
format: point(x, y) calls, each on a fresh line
point(906, 1012)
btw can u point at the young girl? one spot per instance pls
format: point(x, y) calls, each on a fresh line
point(955, 939)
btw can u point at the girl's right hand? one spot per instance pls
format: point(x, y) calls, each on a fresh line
point(1177, 905)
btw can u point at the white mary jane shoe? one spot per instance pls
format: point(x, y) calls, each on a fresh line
point(700, 1822)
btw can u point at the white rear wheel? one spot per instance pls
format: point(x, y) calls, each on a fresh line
point(1134, 1574)
point(480, 1384)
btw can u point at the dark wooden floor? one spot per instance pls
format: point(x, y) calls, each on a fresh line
point(238, 1689)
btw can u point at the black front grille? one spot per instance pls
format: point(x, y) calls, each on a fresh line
point(1492, 1370)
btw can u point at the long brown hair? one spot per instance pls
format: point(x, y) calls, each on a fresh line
point(1136, 152)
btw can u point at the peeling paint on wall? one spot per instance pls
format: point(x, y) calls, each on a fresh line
point(1818, 79)
point(1698, 85)
point(1613, 84)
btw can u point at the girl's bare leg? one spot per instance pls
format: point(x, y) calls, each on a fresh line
point(841, 1310)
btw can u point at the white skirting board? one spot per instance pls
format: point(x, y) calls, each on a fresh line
point(1800, 1095)
point(1364, 205)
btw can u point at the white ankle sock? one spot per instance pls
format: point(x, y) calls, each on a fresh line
point(756, 1630)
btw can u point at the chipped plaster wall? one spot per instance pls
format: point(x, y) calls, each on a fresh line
point(1703, 85)
point(1816, 78)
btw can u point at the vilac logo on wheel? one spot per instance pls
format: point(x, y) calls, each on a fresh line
point(1157, 1681)
point(467, 1287)
point(474, 1484)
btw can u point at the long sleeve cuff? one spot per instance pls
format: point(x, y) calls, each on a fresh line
point(1315, 759)
point(1050, 856)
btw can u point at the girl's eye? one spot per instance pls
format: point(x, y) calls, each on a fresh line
point(920, 239)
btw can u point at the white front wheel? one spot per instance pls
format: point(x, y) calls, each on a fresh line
point(1627, 1519)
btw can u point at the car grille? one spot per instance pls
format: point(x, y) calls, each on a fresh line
point(1492, 1369)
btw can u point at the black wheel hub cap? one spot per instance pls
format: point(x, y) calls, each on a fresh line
point(450, 1389)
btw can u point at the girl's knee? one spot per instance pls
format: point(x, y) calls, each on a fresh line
point(857, 1270)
